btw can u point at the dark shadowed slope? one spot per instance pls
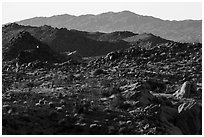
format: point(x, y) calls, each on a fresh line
point(186, 30)
point(110, 37)
point(116, 36)
point(26, 46)
point(62, 40)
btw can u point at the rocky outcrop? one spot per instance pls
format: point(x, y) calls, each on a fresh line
point(189, 120)
point(185, 118)
point(179, 116)
point(187, 89)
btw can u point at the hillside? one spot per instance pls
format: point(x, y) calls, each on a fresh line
point(88, 79)
point(135, 91)
point(127, 83)
point(146, 40)
point(62, 40)
point(26, 48)
point(115, 36)
point(184, 31)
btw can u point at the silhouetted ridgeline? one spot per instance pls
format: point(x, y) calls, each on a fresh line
point(183, 31)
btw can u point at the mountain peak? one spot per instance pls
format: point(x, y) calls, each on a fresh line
point(128, 12)
point(124, 13)
point(63, 15)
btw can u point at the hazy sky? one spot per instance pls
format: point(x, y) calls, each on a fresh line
point(168, 10)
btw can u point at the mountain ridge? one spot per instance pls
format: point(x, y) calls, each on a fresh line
point(63, 40)
point(88, 14)
point(180, 31)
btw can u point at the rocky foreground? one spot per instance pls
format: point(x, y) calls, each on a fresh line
point(155, 91)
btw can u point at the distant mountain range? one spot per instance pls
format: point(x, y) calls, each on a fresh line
point(182, 31)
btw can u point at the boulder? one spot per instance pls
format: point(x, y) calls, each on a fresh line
point(167, 116)
point(189, 120)
point(114, 55)
point(186, 90)
point(183, 117)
